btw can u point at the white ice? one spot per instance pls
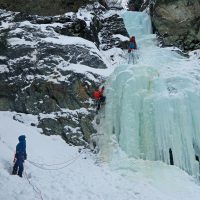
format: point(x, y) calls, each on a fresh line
point(153, 106)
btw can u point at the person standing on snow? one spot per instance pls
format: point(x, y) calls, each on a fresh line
point(99, 97)
point(20, 156)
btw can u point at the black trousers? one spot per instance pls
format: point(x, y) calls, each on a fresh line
point(100, 101)
point(18, 167)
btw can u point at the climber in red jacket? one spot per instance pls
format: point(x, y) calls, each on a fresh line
point(99, 98)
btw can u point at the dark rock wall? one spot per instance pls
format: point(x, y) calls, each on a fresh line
point(32, 82)
point(178, 22)
point(135, 5)
point(111, 26)
point(43, 7)
point(35, 72)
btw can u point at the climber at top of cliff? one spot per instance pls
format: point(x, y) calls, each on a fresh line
point(132, 44)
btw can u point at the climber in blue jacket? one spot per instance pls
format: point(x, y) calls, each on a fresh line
point(20, 156)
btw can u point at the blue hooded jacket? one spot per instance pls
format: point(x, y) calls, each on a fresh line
point(21, 148)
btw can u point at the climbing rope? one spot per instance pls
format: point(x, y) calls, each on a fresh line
point(43, 164)
point(35, 188)
point(40, 166)
point(67, 163)
point(43, 168)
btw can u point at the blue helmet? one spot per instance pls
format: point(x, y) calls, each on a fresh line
point(22, 138)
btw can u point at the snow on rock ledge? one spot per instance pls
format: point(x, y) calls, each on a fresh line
point(53, 63)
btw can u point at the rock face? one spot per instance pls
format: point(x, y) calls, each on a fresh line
point(178, 22)
point(112, 32)
point(48, 65)
point(135, 5)
point(43, 7)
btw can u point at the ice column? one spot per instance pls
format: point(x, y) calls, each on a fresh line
point(153, 107)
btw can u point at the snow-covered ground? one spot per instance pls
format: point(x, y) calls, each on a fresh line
point(56, 171)
point(68, 174)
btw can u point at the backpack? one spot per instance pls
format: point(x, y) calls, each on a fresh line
point(132, 46)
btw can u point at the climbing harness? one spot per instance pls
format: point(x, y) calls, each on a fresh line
point(43, 164)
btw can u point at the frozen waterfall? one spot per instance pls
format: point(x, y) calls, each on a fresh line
point(153, 106)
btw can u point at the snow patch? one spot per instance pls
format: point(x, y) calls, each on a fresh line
point(4, 68)
point(22, 41)
point(121, 37)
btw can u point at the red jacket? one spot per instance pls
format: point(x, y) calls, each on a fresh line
point(98, 94)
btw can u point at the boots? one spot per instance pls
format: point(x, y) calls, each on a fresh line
point(14, 172)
